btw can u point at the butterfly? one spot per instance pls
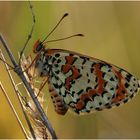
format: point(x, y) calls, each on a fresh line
point(82, 83)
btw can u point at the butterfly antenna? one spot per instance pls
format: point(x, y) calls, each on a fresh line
point(31, 31)
point(64, 38)
point(65, 15)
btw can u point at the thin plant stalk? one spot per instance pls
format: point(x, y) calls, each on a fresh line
point(13, 110)
point(19, 72)
point(17, 94)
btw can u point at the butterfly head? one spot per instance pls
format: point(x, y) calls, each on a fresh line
point(38, 46)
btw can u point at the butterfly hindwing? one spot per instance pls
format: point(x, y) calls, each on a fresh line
point(88, 84)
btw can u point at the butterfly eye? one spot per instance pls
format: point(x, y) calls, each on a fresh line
point(38, 46)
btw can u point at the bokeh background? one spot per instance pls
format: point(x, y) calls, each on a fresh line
point(112, 33)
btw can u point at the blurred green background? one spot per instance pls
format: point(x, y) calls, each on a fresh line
point(112, 33)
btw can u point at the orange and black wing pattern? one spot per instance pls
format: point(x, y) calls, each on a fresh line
point(86, 84)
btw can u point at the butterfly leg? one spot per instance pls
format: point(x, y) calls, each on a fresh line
point(4, 61)
point(45, 80)
point(31, 64)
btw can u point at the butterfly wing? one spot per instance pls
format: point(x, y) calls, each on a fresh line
point(88, 84)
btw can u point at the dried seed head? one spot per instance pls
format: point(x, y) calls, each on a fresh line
point(40, 129)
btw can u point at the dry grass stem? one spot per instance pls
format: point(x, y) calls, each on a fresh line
point(19, 72)
point(30, 74)
point(13, 110)
point(19, 96)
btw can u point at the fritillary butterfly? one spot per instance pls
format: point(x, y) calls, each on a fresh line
point(82, 83)
point(79, 82)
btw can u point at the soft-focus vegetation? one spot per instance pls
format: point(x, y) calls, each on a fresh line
point(112, 32)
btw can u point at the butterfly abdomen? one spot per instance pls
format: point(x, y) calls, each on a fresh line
point(60, 106)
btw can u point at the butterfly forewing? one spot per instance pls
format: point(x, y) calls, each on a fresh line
point(88, 84)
